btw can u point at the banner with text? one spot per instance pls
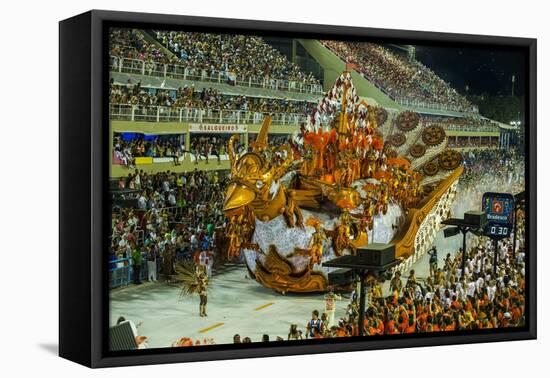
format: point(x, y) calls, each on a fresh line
point(213, 128)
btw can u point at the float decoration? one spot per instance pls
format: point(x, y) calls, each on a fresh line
point(341, 185)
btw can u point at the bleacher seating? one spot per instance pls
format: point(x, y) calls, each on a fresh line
point(408, 82)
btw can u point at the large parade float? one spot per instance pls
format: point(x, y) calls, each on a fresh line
point(355, 174)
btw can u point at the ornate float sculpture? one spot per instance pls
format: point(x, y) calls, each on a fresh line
point(355, 174)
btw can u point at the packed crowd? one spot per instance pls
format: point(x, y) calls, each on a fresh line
point(397, 76)
point(491, 170)
point(126, 149)
point(131, 44)
point(207, 99)
point(176, 216)
point(447, 300)
point(236, 57)
point(242, 56)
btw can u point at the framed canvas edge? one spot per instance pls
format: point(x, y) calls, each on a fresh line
point(99, 170)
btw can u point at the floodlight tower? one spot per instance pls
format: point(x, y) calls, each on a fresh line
point(473, 221)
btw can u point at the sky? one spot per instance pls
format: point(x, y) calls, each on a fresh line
point(483, 70)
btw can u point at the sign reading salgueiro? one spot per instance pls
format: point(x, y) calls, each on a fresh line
point(216, 128)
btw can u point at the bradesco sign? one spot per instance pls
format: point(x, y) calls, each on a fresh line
point(214, 128)
point(499, 208)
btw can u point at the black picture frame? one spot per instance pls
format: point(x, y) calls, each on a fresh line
point(83, 166)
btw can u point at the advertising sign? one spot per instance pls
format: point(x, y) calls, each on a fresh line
point(214, 128)
point(499, 208)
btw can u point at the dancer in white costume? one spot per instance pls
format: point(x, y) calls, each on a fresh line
point(330, 307)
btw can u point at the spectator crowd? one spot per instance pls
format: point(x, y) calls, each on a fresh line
point(205, 145)
point(208, 100)
point(131, 44)
point(125, 150)
point(484, 297)
point(491, 170)
point(398, 76)
point(174, 216)
point(126, 147)
point(205, 55)
point(242, 56)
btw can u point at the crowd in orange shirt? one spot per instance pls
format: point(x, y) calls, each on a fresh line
point(444, 301)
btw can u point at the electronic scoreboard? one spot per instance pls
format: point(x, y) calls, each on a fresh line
point(499, 208)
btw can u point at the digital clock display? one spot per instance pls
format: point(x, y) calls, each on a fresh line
point(499, 208)
point(497, 230)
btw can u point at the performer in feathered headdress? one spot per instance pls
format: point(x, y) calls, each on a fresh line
point(194, 280)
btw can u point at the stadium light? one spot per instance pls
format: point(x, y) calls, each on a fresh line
point(473, 221)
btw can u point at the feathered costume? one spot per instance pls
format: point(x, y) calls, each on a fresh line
point(194, 280)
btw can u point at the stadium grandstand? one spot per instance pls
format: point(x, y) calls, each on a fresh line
point(176, 97)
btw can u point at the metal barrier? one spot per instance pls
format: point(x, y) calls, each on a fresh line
point(122, 274)
point(435, 106)
point(178, 71)
point(150, 113)
point(452, 127)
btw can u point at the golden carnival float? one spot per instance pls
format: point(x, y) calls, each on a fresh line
point(355, 174)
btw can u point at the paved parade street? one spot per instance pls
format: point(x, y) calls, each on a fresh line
point(237, 304)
